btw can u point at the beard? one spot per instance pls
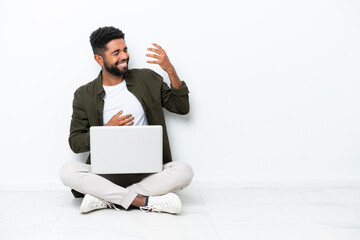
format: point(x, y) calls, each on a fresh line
point(114, 70)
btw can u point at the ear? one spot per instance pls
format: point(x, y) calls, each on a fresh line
point(99, 59)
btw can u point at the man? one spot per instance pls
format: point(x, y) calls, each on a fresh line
point(123, 97)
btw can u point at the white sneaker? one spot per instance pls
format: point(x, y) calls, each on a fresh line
point(91, 203)
point(169, 203)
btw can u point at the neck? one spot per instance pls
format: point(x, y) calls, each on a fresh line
point(111, 80)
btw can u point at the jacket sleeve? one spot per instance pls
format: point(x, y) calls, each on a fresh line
point(79, 138)
point(174, 100)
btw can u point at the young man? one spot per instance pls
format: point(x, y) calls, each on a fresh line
point(123, 97)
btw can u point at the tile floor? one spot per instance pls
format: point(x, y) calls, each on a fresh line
point(208, 213)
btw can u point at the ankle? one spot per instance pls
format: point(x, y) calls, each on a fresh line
point(139, 201)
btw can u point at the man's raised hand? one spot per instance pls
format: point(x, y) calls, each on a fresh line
point(163, 61)
point(160, 58)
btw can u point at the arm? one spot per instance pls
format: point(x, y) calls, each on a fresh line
point(79, 138)
point(164, 62)
point(175, 99)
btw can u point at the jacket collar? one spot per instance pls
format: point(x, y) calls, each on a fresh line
point(98, 82)
point(129, 78)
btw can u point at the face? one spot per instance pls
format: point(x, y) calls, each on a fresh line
point(116, 57)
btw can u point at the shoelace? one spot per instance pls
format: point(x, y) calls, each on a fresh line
point(146, 209)
point(151, 208)
point(111, 205)
point(98, 204)
point(102, 203)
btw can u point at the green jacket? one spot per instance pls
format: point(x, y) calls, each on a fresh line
point(149, 89)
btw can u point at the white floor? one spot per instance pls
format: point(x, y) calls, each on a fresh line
point(269, 213)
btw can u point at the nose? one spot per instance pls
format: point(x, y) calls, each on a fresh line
point(124, 55)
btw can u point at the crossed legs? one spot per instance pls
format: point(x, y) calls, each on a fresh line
point(173, 177)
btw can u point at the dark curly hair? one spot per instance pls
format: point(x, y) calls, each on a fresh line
point(100, 37)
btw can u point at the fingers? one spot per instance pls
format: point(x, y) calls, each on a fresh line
point(118, 114)
point(159, 50)
point(126, 122)
point(153, 56)
point(125, 119)
point(152, 61)
point(159, 57)
point(118, 120)
point(157, 46)
point(128, 116)
point(125, 116)
point(154, 50)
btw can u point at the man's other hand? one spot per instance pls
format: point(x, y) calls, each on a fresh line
point(125, 120)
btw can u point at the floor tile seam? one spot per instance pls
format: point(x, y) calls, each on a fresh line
point(299, 222)
point(237, 223)
point(55, 222)
point(208, 213)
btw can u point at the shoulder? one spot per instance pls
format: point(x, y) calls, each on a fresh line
point(86, 89)
point(143, 74)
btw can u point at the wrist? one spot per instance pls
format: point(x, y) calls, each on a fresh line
point(176, 84)
point(171, 70)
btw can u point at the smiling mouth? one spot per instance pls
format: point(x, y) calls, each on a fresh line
point(122, 64)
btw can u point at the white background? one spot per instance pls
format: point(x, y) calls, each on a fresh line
point(274, 85)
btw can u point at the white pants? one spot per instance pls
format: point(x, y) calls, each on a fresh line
point(78, 176)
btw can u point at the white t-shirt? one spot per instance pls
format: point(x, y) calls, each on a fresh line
point(118, 98)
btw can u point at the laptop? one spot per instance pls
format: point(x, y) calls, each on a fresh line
point(126, 149)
